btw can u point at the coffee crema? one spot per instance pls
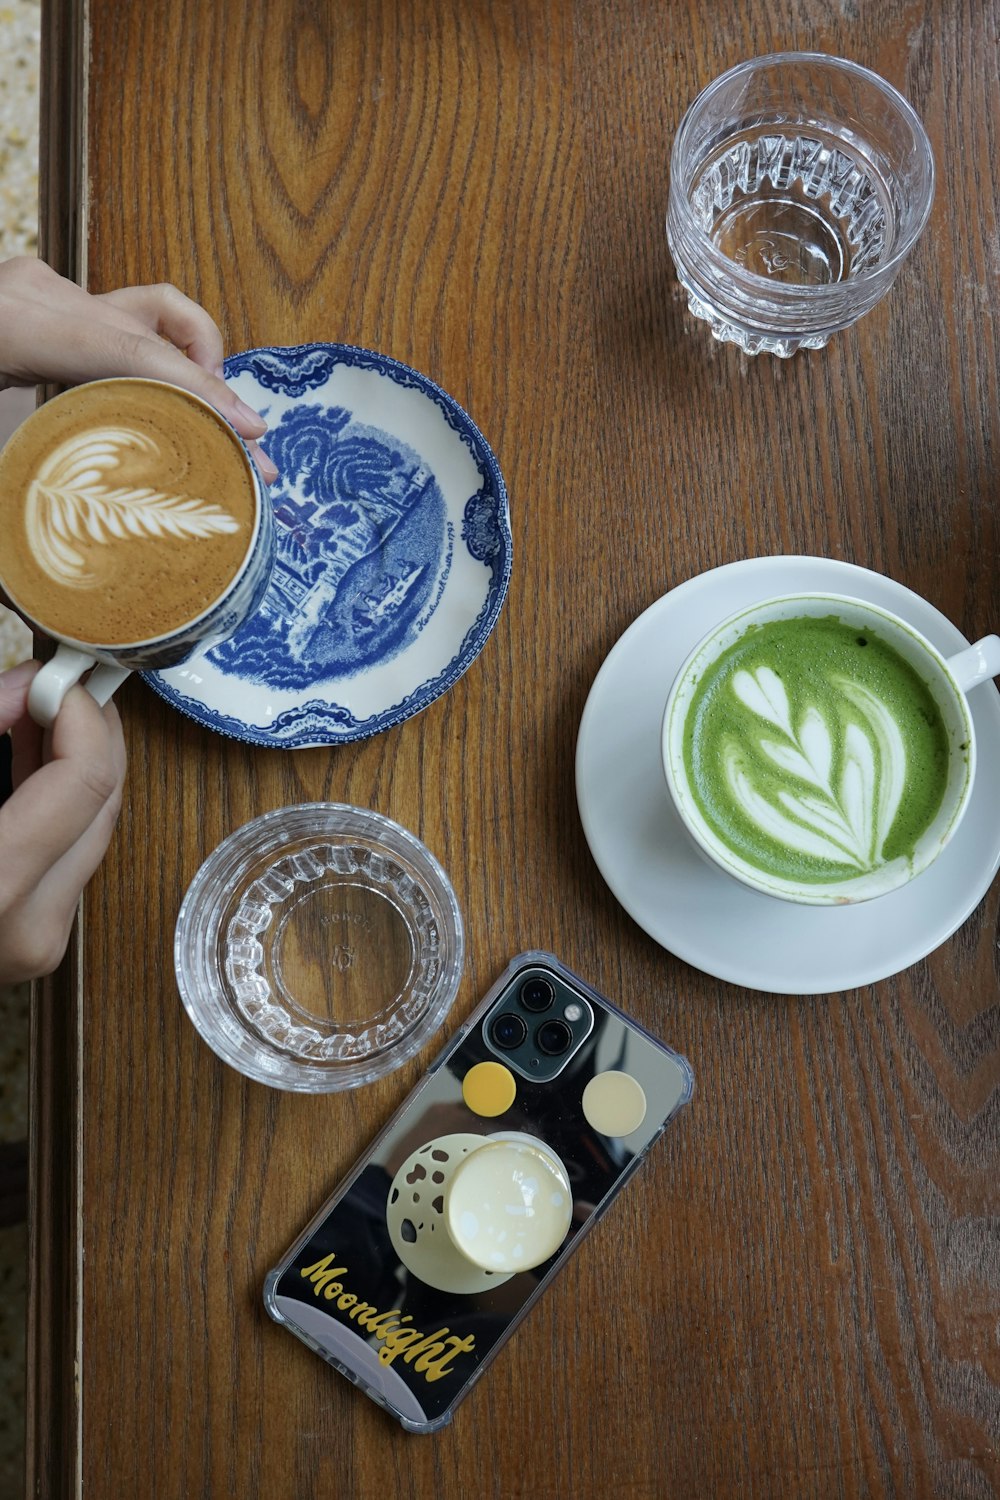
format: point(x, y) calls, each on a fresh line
point(814, 751)
point(127, 508)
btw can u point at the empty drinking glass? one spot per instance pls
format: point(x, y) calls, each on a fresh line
point(318, 947)
point(798, 185)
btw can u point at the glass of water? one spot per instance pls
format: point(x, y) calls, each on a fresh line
point(799, 183)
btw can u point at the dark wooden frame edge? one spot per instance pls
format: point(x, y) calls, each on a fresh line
point(52, 1420)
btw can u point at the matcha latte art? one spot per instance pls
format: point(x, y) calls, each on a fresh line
point(814, 751)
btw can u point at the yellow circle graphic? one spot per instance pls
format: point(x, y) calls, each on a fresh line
point(488, 1089)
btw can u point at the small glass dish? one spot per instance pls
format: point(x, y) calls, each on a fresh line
point(318, 947)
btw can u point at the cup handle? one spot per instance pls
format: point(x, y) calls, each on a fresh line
point(54, 681)
point(104, 681)
point(977, 663)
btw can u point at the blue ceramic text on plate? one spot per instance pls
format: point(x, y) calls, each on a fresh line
point(393, 553)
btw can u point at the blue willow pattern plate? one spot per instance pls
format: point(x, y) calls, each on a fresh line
point(393, 554)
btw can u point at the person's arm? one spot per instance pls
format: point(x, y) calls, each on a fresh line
point(52, 330)
point(56, 824)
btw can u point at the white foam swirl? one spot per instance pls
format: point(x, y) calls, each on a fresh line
point(73, 498)
point(844, 821)
point(891, 751)
point(764, 692)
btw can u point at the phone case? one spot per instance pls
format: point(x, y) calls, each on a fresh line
point(375, 1284)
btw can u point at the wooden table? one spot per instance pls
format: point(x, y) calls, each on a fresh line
point(800, 1295)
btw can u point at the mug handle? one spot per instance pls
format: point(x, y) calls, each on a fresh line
point(104, 682)
point(977, 663)
point(53, 682)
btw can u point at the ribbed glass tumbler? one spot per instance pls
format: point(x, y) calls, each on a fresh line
point(799, 183)
point(318, 947)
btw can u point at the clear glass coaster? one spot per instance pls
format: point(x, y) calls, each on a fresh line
point(318, 947)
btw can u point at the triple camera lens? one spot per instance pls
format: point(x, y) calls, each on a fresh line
point(508, 1031)
point(537, 994)
point(554, 1037)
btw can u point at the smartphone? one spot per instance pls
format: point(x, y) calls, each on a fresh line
point(385, 1283)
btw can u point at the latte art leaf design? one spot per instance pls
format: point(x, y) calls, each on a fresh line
point(74, 499)
point(844, 806)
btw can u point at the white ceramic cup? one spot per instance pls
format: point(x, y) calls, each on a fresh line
point(949, 680)
point(112, 664)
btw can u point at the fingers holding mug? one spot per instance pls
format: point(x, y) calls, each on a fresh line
point(50, 686)
point(54, 830)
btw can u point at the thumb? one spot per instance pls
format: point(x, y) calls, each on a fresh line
point(14, 685)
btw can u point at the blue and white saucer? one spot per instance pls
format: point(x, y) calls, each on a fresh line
point(393, 554)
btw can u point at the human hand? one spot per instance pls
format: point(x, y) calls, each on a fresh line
point(56, 825)
point(53, 330)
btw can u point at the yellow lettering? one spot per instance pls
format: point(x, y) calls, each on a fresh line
point(427, 1343)
point(433, 1369)
point(323, 1277)
point(381, 1325)
point(321, 1265)
point(364, 1311)
point(398, 1340)
point(431, 1354)
point(426, 1358)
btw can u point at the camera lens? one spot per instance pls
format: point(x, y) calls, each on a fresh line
point(554, 1037)
point(508, 1031)
point(537, 994)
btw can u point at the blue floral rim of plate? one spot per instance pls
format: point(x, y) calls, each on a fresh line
point(393, 554)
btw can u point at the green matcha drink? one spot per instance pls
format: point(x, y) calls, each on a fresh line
point(814, 751)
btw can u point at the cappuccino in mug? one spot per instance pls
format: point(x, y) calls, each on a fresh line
point(127, 507)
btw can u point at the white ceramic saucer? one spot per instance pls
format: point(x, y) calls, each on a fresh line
point(695, 911)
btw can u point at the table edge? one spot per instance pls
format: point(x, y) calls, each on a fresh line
point(53, 1376)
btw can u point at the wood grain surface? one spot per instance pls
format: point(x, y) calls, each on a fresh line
point(800, 1293)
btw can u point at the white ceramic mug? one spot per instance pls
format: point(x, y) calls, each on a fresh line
point(949, 680)
point(75, 657)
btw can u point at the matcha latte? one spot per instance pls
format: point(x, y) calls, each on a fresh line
point(814, 751)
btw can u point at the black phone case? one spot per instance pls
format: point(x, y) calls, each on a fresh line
point(342, 1287)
